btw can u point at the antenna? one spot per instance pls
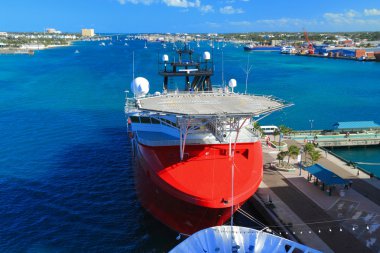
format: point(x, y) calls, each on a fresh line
point(247, 70)
point(222, 69)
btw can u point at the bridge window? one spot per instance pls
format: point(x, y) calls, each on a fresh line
point(134, 119)
point(145, 120)
point(155, 121)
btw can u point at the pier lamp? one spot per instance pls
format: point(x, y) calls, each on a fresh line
point(311, 125)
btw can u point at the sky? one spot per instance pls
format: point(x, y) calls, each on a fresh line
point(190, 16)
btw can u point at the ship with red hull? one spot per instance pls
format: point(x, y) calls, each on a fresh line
point(197, 155)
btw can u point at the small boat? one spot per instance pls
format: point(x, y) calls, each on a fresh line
point(102, 44)
point(76, 51)
point(288, 50)
point(253, 47)
point(239, 239)
point(145, 46)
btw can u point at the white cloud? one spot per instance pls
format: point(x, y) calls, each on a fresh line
point(213, 24)
point(347, 17)
point(372, 12)
point(182, 3)
point(352, 14)
point(354, 19)
point(230, 10)
point(240, 23)
point(121, 1)
point(206, 8)
point(281, 22)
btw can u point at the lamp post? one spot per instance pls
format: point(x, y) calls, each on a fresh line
point(311, 125)
point(299, 160)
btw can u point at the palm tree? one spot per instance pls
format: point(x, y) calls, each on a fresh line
point(293, 152)
point(256, 126)
point(277, 132)
point(315, 155)
point(308, 148)
point(285, 130)
point(281, 156)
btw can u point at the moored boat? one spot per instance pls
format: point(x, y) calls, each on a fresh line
point(198, 157)
point(288, 50)
point(252, 47)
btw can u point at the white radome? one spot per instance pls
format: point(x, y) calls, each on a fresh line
point(232, 83)
point(206, 56)
point(140, 86)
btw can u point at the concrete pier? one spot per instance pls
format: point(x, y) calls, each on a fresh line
point(340, 140)
point(346, 222)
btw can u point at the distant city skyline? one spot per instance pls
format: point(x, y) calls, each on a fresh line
point(191, 16)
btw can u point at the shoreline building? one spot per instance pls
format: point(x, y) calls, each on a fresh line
point(52, 31)
point(88, 32)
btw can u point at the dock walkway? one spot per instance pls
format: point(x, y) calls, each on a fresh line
point(358, 208)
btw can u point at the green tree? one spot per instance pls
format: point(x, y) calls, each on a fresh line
point(308, 148)
point(285, 130)
point(315, 155)
point(275, 133)
point(256, 126)
point(281, 156)
point(293, 152)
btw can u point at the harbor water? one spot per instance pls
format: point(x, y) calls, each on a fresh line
point(65, 161)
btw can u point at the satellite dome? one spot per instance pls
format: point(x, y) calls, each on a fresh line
point(165, 58)
point(232, 83)
point(140, 86)
point(206, 56)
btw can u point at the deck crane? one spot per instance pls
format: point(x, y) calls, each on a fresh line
point(310, 45)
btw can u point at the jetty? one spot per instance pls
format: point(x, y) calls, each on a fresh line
point(344, 134)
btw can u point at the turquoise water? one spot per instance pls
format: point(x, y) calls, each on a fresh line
point(367, 157)
point(65, 168)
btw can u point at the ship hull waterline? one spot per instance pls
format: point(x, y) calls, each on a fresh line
point(170, 201)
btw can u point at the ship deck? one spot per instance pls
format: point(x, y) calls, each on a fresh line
point(213, 103)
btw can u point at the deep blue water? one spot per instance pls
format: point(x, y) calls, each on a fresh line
point(66, 178)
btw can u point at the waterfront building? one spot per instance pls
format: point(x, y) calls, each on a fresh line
point(53, 31)
point(88, 32)
point(354, 126)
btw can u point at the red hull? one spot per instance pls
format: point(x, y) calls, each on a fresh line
point(193, 194)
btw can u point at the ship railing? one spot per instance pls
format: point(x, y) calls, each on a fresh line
point(219, 90)
point(130, 105)
point(194, 141)
point(132, 102)
point(256, 133)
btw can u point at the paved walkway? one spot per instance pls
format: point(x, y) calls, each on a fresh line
point(312, 205)
point(363, 184)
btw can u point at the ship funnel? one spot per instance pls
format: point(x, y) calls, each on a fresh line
point(165, 58)
point(140, 86)
point(206, 56)
point(232, 83)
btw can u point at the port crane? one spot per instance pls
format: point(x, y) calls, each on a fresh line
point(310, 45)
